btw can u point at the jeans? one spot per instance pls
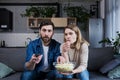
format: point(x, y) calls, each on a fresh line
point(34, 75)
point(82, 75)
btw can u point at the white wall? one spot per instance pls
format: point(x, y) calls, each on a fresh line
point(102, 9)
point(19, 39)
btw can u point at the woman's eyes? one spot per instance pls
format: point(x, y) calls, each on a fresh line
point(68, 33)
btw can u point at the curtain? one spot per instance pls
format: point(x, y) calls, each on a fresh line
point(112, 18)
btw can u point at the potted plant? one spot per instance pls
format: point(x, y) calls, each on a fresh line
point(115, 43)
point(31, 12)
point(47, 11)
point(39, 11)
point(81, 13)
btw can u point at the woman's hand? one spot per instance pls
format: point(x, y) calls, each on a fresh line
point(73, 71)
point(61, 59)
point(66, 73)
point(65, 46)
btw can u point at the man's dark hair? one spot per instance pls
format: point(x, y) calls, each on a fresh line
point(46, 22)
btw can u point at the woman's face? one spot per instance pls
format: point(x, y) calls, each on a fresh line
point(70, 35)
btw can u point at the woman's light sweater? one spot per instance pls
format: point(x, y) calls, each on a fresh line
point(81, 58)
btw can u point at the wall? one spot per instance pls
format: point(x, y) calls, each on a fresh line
point(49, 1)
point(20, 29)
point(20, 23)
point(22, 39)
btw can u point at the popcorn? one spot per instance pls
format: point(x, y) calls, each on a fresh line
point(66, 67)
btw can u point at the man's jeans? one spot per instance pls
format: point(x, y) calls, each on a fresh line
point(34, 75)
point(82, 76)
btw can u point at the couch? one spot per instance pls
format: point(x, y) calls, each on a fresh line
point(15, 58)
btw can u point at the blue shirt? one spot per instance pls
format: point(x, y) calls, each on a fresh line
point(36, 47)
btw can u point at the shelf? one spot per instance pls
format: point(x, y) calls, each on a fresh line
point(32, 22)
point(40, 19)
point(72, 21)
point(58, 22)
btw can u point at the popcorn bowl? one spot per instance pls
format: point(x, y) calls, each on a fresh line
point(64, 67)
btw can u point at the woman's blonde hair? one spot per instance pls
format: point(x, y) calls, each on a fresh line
point(80, 39)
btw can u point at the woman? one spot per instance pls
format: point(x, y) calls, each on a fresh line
point(74, 49)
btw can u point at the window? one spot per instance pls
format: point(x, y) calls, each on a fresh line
point(112, 18)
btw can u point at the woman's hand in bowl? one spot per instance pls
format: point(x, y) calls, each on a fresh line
point(61, 59)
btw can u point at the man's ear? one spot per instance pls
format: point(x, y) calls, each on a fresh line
point(53, 33)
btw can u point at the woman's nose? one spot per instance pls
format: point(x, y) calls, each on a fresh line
point(68, 36)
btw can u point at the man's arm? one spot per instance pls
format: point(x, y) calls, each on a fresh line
point(31, 58)
point(30, 65)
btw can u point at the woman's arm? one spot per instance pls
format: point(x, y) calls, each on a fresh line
point(83, 59)
point(64, 52)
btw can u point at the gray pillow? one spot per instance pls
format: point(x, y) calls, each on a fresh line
point(5, 70)
point(114, 73)
point(110, 65)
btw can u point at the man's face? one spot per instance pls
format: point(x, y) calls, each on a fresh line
point(46, 33)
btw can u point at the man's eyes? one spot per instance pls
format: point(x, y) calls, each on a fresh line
point(49, 30)
point(44, 30)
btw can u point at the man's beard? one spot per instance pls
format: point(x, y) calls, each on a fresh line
point(46, 39)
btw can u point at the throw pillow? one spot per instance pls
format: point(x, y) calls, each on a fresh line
point(114, 73)
point(110, 65)
point(5, 70)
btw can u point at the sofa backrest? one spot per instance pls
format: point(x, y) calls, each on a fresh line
point(99, 57)
point(13, 57)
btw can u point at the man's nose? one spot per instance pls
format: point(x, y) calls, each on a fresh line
point(46, 33)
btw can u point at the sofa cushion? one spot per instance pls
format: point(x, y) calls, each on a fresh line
point(98, 76)
point(99, 57)
point(13, 57)
point(114, 73)
point(110, 65)
point(5, 70)
point(15, 76)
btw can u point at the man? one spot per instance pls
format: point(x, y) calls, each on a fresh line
point(41, 53)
